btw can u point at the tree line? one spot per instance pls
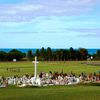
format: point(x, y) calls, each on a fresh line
point(13, 54)
point(61, 54)
point(49, 54)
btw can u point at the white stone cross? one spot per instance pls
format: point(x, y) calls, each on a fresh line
point(35, 66)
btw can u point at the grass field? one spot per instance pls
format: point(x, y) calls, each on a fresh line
point(51, 93)
point(77, 92)
point(28, 67)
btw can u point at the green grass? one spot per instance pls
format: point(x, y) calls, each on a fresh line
point(51, 93)
point(77, 92)
point(28, 67)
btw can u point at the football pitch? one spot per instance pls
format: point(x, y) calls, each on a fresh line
point(77, 92)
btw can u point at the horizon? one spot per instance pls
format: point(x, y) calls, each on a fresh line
point(50, 47)
point(50, 23)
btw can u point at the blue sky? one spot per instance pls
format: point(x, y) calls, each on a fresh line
point(49, 23)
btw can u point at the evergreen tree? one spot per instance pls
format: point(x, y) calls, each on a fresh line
point(29, 55)
point(72, 53)
point(84, 53)
point(49, 54)
point(97, 56)
point(42, 53)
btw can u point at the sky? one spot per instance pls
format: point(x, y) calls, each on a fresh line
point(49, 23)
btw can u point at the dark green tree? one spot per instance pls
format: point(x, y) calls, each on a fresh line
point(15, 54)
point(42, 53)
point(37, 53)
point(29, 55)
point(97, 55)
point(72, 54)
point(49, 54)
point(3, 56)
point(84, 53)
point(65, 55)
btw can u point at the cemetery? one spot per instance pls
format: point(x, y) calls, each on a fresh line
point(49, 50)
point(65, 78)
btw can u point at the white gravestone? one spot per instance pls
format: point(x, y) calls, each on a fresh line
point(14, 60)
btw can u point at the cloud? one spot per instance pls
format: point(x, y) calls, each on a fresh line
point(90, 35)
point(28, 10)
point(36, 32)
point(87, 32)
point(20, 32)
point(97, 30)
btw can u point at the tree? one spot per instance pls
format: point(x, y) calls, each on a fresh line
point(58, 55)
point(66, 55)
point(3, 56)
point(42, 53)
point(29, 55)
point(84, 53)
point(97, 56)
point(37, 53)
point(72, 54)
point(15, 54)
point(49, 54)
point(78, 55)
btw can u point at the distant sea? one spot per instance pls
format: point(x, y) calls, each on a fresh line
point(90, 51)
